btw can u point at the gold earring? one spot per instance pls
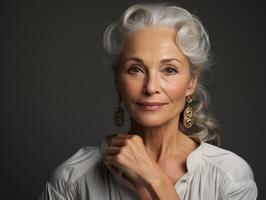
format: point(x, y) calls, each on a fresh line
point(119, 115)
point(188, 113)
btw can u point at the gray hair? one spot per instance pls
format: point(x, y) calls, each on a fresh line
point(191, 38)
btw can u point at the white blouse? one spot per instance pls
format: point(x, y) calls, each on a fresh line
point(212, 174)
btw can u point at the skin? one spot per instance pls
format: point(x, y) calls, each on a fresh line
point(152, 155)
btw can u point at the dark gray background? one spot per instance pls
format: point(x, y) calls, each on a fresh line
point(57, 95)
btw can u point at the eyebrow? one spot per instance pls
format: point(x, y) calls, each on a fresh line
point(166, 60)
point(169, 60)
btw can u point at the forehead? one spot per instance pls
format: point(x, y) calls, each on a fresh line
point(154, 41)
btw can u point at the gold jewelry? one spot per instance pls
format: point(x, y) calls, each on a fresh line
point(119, 115)
point(188, 113)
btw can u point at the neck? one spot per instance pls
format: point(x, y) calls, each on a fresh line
point(164, 140)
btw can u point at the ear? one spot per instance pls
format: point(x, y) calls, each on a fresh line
point(193, 82)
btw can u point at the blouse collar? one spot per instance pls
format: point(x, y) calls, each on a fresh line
point(195, 157)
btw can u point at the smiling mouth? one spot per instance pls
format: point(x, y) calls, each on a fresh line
point(151, 106)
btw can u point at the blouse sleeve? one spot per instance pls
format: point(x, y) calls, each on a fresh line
point(62, 184)
point(244, 191)
point(57, 191)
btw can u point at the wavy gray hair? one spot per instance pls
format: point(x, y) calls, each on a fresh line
point(191, 38)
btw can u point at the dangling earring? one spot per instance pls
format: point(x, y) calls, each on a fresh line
point(188, 113)
point(119, 114)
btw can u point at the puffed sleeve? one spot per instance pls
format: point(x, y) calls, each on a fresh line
point(63, 182)
point(245, 191)
point(57, 190)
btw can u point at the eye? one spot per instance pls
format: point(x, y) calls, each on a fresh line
point(134, 69)
point(170, 70)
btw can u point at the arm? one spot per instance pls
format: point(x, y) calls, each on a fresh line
point(50, 192)
point(245, 191)
point(162, 189)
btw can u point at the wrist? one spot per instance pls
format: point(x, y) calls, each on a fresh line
point(158, 180)
point(162, 189)
point(154, 175)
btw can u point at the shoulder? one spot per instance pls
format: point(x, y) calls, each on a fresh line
point(222, 173)
point(77, 165)
point(62, 181)
point(230, 163)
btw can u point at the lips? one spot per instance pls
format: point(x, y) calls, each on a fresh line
point(151, 103)
point(151, 106)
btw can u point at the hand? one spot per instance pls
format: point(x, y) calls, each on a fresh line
point(128, 154)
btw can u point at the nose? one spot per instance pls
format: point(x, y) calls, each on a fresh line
point(151, 85)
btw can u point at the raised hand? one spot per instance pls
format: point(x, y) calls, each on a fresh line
point(127, 154)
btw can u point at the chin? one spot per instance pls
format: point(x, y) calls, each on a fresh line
point(150, 120)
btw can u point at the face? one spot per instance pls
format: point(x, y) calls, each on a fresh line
point(154, 77)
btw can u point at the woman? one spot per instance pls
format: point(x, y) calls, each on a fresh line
point(157, 53)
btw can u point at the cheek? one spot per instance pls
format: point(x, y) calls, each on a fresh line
point(131, 89)
point(176, 94)
point(175, 90)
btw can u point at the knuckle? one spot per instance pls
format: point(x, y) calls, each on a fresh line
point(118, 158)
point(136, 138)
point(127, 141)
point(123, 149)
